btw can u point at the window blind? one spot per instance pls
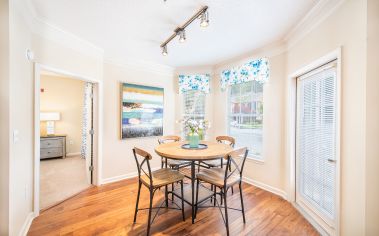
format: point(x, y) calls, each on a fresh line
point(316, 138)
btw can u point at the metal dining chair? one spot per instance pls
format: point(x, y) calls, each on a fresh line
point(153, 180)
point(219, 163)
point(224, 179)
point(174, 164)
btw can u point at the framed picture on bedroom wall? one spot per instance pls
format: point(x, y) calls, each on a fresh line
point(141, 111)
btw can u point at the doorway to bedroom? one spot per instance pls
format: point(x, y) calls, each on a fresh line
point(66, 137)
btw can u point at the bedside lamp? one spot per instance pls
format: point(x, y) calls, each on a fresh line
point(50, 117)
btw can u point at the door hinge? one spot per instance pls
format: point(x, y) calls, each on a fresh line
point(90, 168)
point(92, 132)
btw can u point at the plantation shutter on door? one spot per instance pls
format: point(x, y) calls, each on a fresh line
point(316, 139)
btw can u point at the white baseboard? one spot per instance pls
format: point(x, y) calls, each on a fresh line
point(310, 219)
point(72, 154)
point(122, 177)
point(28, 221)
point(266, 187)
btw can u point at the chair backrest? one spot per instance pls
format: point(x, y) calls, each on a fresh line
point(227, 140)
point(168, 138)
point(143, 165)
point(235, 162)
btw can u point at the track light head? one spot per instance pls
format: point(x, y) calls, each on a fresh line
point(204, 19)
point(164, 50)
point(182, 36)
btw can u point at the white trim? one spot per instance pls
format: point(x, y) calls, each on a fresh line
point(318, 14)
point(266, 187)
point(310, 219)
point(28, 222)
point(291, 130)
point(98, 134)
point(72, 154)
point(141, 65)
point(123, 177)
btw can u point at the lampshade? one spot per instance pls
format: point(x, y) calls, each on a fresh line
point(50, 116)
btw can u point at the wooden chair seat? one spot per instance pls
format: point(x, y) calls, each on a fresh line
point(216, 177)
point(162, 177)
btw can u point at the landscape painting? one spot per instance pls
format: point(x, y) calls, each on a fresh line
point(141, 111)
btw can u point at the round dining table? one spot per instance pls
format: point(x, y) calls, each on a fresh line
point(175, 151)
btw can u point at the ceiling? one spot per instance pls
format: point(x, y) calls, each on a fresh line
point(134, 29)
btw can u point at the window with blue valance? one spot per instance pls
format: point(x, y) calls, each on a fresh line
point(257, 70)
point(194, 83)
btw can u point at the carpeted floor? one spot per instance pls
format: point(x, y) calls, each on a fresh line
point(61, 179)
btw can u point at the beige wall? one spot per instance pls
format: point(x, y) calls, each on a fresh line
point(4, 117)
point(372, 122)
point(21, 120)
point(64, 95)
point(118, 160)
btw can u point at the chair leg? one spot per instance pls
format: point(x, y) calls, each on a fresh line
point(172, 190)
point(150, 208)
point(138, 194)
point(162, 163)
point(166, 195)
point(181, 187)
point(226, 212)
point(197, 196)
point(243, 209)
point(214, 195)
point(212, 191)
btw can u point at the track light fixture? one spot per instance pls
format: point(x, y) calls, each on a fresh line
point(204, 19)
point(164, 50)
point(182, 35)
point(202, 14)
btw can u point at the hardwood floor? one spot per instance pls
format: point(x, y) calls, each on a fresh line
point(109, 210)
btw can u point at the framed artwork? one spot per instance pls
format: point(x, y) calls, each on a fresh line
point(141, 111)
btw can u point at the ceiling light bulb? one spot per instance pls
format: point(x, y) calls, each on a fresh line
point(204, 19)
point(182, 36)
point(164, 50)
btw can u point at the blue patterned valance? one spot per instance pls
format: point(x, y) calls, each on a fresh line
point(254, 70)
point(194, 82)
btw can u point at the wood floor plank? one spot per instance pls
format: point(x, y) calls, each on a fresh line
point(109, 210)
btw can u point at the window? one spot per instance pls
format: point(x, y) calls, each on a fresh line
point(245, 119)
point(194, 105)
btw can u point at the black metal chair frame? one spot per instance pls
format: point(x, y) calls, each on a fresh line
point(223, 190)
point(152, 190)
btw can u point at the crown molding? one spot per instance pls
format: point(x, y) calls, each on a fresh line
point(41, 27)
point(270, 50)
point(318, 14)
point(140, 65)
point(312, 19)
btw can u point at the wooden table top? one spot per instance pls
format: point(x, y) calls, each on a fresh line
point(174, 150)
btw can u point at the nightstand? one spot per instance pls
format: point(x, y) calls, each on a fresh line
point(53, 146)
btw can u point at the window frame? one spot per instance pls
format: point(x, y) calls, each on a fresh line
point(191, 116)
point(256, 158)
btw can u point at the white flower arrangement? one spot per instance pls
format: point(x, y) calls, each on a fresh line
point(196, 126)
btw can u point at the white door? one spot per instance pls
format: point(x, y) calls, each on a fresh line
point(317, 145)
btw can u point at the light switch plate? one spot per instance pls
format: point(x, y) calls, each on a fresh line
point(15, 136)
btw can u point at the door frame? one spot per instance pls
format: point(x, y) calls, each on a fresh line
point(291, 114)
point(98, 121)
